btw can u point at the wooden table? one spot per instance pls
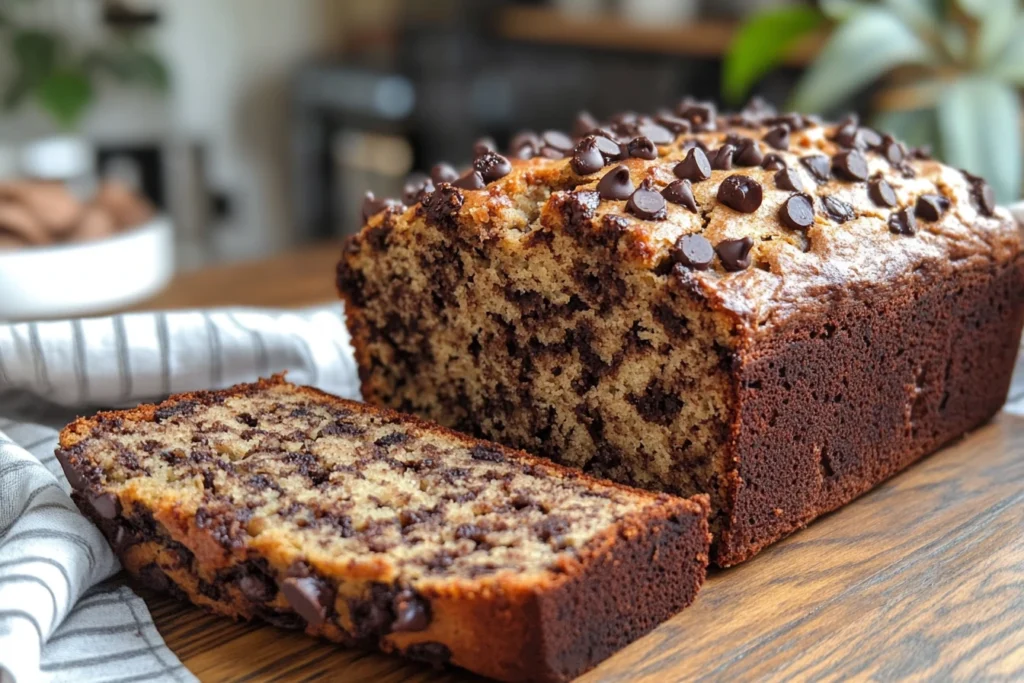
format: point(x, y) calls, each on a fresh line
point(923, 578)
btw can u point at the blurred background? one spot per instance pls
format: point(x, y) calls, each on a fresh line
point(247, 127)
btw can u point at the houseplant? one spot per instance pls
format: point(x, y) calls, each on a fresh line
point(953, 72)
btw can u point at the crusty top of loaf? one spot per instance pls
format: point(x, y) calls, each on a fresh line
point(856, 240)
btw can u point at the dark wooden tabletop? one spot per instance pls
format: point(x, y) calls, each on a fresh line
point(920, 579)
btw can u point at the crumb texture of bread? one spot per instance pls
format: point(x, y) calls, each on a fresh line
point(379, 530)
point(801, 318)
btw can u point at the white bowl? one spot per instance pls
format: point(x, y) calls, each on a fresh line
point(86, 277)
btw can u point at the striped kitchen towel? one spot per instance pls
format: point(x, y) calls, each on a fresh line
point(60, 619)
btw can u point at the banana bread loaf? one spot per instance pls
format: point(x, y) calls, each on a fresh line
point(375, 529)
point(772, 311)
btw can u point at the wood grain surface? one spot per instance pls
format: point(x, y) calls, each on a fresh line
point(920, 579)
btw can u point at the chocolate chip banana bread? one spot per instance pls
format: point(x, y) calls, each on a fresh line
point(774, 311)
point(375, 529)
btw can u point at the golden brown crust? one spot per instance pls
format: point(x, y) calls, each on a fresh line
point(504, 625)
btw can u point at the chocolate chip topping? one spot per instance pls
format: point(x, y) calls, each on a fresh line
point(105, 505)
point(584, 124)
point(850, 165)
point(75, 479)
point(695, 167)
point(587, 157)
point(372, 206)
point(616, 184)
point(930, 207)
point(416, 188)
point(673, 123)
point(893, 150)
point(837, 209)
point(819, 165)
point(773, 162)
point(902, 222)
point(492, 166)
point(797, 212)
point(412, 613)
point(656, 134)
point(484, 145)
point(721, 159)
point(556, 139)
point(881, 193)
point(735, 254)
point(680, 192)
point(443, 173)
point(308, 596)
point(871, 137)
point(472, 180)
point(647, 204)
point(693, 251)
point(750, 154)
point(789, 179)
point(778, 137)
point(642, 148)
point(740, 193)
point(985, 198)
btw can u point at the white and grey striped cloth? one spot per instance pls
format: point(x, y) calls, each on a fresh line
point(60, 619)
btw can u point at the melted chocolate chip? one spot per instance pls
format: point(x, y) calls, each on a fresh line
point(750, 154)
point(642, 148)
point(850, 165)
point(735, 254)
point(492, 166)
point(740, 193)
point(616, 184)
point(819, 165)
point(416, 188)
point(797, 212)
point(693, 251)
point(721, 159)
point(75, 479)
point(930, 207)
point(680, 192)
point(412, 613)
point(309, 596)
point(443, 173)
point(789, 179)
point(881, 193)
point(902, 222)
point(773, 162)
point(372, 206)
point(472, 180)
point(105, 505)
point(587, 157)
point(837, 209)
point(778, 137)
point(695, 167)
point(647, 204)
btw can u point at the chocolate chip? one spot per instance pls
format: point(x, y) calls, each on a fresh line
point(735, 254)
point(881, 192)
point(773, 162)
point(789, 179)
point(740, 193)
point(372, 206)
point(902, 222)
point(443, 173)
point(721, 159)
point(680, 192)
point(657, 134)
point(695, 167)
point(484, 145)
point(105, 505)
point(673, 123)
point(492, 166)
point(837, 209)
point(486, 453)
point(849, 136)
point(984, 197)
point(472, 180)
point(587, 157)
point(778, 137)
point(850, 165)
point(616, 184)
point(871, 137)
point(750, 154)
point(647, 204)
point(557, 140)
point(609, 148)
point(693, 251)
point(819, 166)
point(75, 479)
point(700, 114)
point(309, 597)
point(412, 613)
point(893, 150)
point(642, 148)
point(931, 207)
point(584, 124)
point(416, 187)
point(694, 143)
point(797, 212)
point(524, 145)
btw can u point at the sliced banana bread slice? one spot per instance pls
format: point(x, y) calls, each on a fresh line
point(379, 530)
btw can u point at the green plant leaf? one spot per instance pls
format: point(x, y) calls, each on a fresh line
point(1009, 66)
point(129, 65)
point(996, 19)
point(869, 44)
point(35, 53)
point(979, 121)
point(65, 94)
point(761, 43)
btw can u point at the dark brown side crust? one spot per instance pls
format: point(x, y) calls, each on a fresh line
point(841, 399)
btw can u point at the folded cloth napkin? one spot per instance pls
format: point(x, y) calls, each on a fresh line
point(60, 620)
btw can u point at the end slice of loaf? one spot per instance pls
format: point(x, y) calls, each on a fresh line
point(379, 530)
